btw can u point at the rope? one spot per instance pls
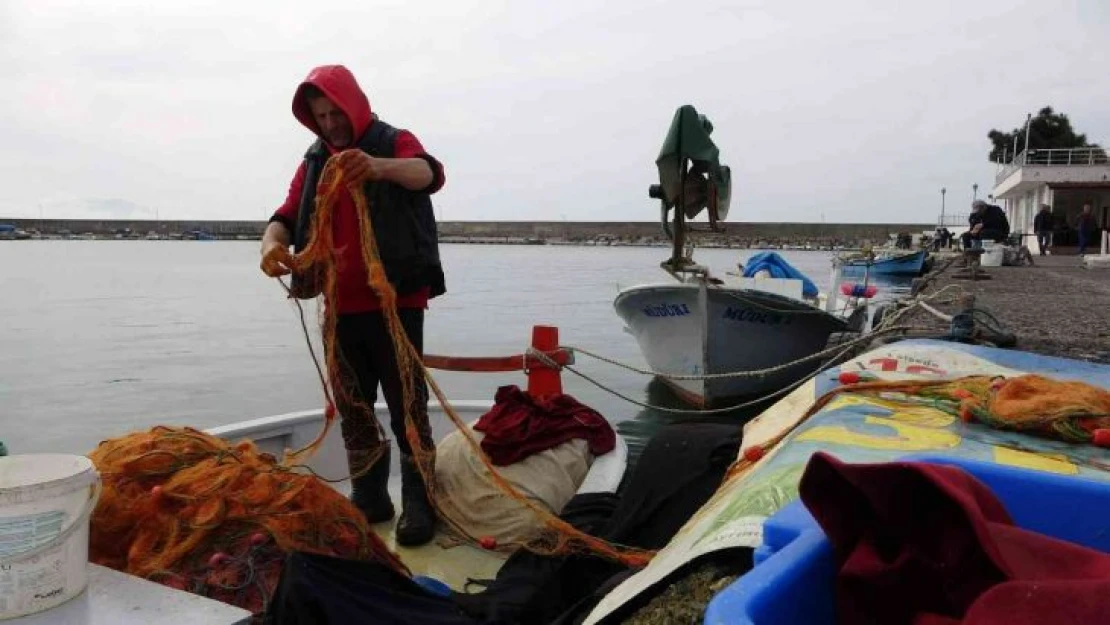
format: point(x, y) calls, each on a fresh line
point(707, 411)
point(686, 411)
point(936, 313)
point(885, 328)
point(751, 373)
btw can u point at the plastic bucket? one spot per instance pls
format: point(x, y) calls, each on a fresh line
point(992, 255)
point(45, 503)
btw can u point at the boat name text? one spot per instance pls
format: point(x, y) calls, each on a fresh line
point(756, 316)
point(667, 310)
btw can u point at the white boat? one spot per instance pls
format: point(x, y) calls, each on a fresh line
point(697, 328)
point(702, 325)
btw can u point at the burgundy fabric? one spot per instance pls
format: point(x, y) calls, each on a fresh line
point(924, 544)
point(519, 425)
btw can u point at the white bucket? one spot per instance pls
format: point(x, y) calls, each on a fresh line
point(45, 503)
point(993, 255)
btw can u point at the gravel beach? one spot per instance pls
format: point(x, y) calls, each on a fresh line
point(1056, 307)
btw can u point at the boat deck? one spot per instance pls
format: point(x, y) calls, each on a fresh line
point(114, 598)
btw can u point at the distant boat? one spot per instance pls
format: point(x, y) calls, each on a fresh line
point(887, 264)
point(8, 231)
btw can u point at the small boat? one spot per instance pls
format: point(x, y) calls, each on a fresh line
point(886, 264)
point(703, 325)
point(10, 232)
point(697, 328)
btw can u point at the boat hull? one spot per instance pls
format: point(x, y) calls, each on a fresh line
point(906, 265)
point(690, 330)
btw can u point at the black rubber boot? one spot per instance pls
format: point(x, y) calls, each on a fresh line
point(369, 491)
point(417, 524)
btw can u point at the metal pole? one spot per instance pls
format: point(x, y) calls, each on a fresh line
point(942, 191)
point(974, 192)
point(1028, 122)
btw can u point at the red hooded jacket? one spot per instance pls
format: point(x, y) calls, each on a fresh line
point(339, 85)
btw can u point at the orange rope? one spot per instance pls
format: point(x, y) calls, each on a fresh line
point(556, 535)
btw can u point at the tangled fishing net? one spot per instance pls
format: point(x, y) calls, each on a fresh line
point(193, 512)
point(1072, 411)
point(319, 260)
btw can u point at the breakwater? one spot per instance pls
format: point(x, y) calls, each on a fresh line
point(740, 234)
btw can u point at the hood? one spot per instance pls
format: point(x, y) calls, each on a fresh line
point(339, 84)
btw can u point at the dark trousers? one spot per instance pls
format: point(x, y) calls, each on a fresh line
point(1084, 238)
point(366, 359)
point(1044, 240)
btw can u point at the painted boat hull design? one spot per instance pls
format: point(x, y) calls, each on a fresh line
point(684, 328)
point(904, 265)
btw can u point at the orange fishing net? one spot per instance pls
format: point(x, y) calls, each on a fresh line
point(1076, 412)
point(318, 259)
point(1072, 411)
point(193, 512)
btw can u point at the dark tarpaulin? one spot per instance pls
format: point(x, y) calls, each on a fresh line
point(322, 590)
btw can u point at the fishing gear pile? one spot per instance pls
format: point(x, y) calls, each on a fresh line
point(194, 512)
point(1072, 411)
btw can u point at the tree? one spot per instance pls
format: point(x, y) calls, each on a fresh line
point(1047, 130)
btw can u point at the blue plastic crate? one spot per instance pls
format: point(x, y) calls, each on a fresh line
point(792, 581)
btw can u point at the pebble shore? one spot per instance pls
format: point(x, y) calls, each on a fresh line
point(1056, 307)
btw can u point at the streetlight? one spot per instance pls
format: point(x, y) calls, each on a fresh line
point(942, 192)
point(974, 192)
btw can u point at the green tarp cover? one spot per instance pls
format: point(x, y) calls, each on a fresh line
point(688, 138)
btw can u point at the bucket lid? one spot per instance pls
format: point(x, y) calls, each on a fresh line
point(26, 477)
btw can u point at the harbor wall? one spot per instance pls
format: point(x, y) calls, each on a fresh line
point(783, 233)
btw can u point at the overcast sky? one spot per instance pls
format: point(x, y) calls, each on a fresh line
point(846, 111)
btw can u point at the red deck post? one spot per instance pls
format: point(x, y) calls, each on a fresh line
point(543, 380)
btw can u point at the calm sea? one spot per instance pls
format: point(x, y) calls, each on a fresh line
point(100, 338)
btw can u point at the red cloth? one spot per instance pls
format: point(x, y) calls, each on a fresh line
point(518, 426)
point(354, 295)
point(923, 544)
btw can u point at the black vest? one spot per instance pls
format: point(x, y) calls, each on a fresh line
point(404, 221)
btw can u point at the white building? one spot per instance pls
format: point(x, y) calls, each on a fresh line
point(1064, 179)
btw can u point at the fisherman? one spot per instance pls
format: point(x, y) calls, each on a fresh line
point(398, 177)
point(988, 222)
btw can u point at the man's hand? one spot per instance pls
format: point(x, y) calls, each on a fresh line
point(276, 260)
point(359, 167)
